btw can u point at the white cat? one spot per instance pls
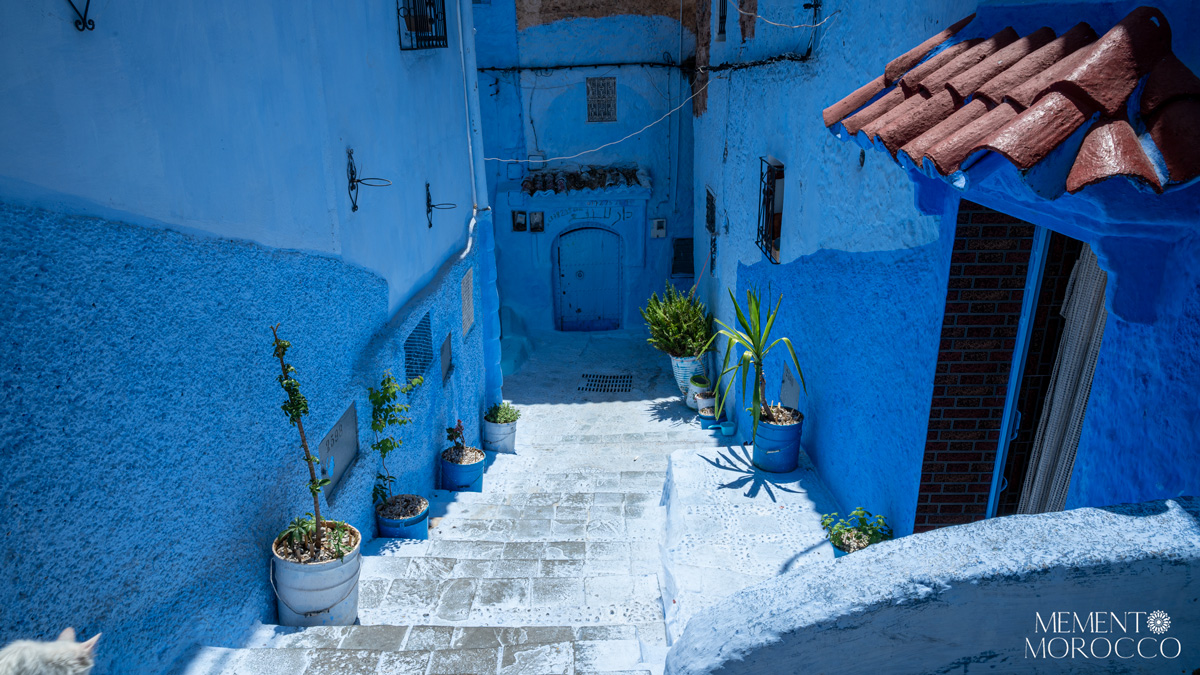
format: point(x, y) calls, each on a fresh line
point(64, 656)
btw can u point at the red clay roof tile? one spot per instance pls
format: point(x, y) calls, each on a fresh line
point(923, 118)
point(916, 148)
point(854, 101)
point(903, 63)
point(1169, 80)
point(870, 113)
point(1027, 140)
point(936, 81)
point(1111, 148)
point(1111, 67)
point(965, 83)
point(1064, 45)
point(913, 78)
point(1175, 129)
point(1021, 97)
point(948, 154)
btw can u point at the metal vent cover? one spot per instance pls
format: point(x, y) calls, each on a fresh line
point(418, 349)
point(606, 383)
point(602, 99)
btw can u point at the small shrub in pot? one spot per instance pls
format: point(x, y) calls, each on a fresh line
point(500, 428)
point(396, 515)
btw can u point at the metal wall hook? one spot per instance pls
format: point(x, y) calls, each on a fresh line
point(430, 206)
point(354, 181)
point(83, 22)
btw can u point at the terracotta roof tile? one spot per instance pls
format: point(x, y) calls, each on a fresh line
point(948, 154)
point(913, 77)
point(917, 148)
point(964, 84)
point(903, 63)
point(1112, 66)
point(923, 118)
point(1022, 97)
point(1064, 45)
point(870, 113)
point(834, 113)
point(1027, 140)
point(1175, 129)
point(1169, 80)
point(1111, 148)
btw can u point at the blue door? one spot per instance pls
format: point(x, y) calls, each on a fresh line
point(589, 280)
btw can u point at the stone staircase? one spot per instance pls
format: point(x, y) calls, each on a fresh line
point(554, 568)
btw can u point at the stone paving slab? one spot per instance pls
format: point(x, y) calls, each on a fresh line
point(730, 525)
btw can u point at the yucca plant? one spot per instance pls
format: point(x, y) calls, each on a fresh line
point(679, 323)
point(754, 339)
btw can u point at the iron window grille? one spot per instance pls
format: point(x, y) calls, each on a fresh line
point(418, 349)
point(422, 24)
point(602, 99)
point(722, 11)
point(682, 264)
point(710, 211)
point(770, 210)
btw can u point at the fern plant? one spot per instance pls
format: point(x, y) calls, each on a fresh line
point(387, 414)
point(679, 323)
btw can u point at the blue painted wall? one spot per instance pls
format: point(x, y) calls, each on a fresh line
point(544, 112)
point(171, 184)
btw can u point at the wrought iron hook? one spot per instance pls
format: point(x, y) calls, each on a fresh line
point(83, 22)
point(430, 206)
point(354, 181)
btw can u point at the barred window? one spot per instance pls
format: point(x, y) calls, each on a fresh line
point(602, 99)
point(422, 24)
point(770, 210)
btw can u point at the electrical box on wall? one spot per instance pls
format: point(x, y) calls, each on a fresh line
point(658, 228)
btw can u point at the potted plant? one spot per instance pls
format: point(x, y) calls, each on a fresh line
point(696, 384)
point(500, 428)
point(462, 466)
point(681, 327)
point(776, 429)
point(858, 531)
point(402, 516)
point(316, 561)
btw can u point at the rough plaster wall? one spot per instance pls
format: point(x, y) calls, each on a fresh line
point(148, 463)
point(233, 119)
point(537, 12)
point(964, 599)
point(1143, 419)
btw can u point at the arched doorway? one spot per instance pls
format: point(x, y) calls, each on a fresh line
point(589, 280)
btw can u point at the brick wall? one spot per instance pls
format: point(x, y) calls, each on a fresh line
point(983, 309)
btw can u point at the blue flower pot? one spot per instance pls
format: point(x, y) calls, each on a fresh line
point(462, 477)
point(416, 527)
point(777, 447)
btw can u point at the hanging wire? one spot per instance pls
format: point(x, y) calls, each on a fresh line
point(783, 25)
point(601, 147)
point(354, 181)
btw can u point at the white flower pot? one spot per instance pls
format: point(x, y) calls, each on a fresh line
point(684, 368)
point(318, 594)
point(500, 437)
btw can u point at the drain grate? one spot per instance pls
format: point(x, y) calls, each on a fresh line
point(606, 383)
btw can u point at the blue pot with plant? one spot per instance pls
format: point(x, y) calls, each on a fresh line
point(399, 516)
point(776, 427)
point(462, 466)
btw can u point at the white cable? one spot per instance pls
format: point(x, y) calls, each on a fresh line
point(596, 149)
point(781, 25)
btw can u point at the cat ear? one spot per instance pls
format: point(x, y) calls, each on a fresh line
point(68, 635)
point(90, 645)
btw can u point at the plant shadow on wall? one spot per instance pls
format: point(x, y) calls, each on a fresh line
point(737, 462)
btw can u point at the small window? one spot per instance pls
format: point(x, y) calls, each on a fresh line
point(682, 264)
point(468, 301)
point(602, 99)
point(770, 209)
point(418, 349)
point(712, 255)
point(422, 24)
point(447, 358)
point(722, 11)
